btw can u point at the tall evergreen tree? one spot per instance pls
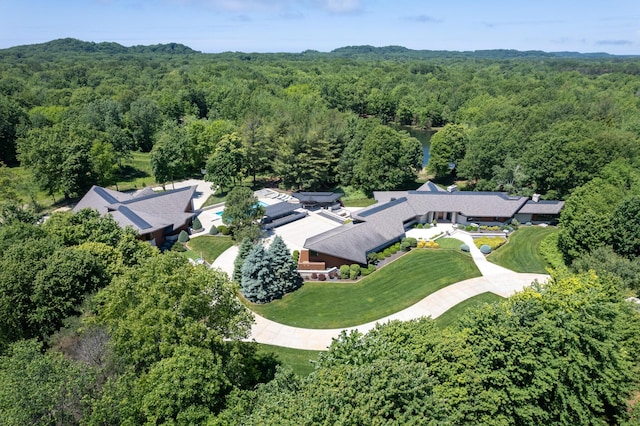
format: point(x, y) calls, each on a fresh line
point(258, 282)
point(243, 251)
point(286, 276)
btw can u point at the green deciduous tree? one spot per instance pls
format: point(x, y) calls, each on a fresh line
point(12, 117)
point(242, 213)
point(448, 147)
point(388, 160)
point(225, 167)
point(625, 236)
point(164, 303)
point(169, 154)
point(41, 388)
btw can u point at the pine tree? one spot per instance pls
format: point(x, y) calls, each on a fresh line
point(257, 283)
point(243, 250)
point(286, 275)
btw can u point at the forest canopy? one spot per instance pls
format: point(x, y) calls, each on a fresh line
point(98, 327)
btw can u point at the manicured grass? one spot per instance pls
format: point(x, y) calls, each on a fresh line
point(450, 244)
point(522, 252)
point(361, 202)
point(210, 246)
point(301, 361)
point(454, 313)
point(214, 199)
point(392, 288)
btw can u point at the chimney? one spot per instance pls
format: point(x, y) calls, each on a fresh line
point(535, 198)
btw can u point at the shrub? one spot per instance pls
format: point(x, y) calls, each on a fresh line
point(515, 223)
point(224, 230)
point(364, 272)
point(179, 247)
point(431, 244)
point(213, 230)
point(421, 244)
point(420, 226)
point(393, 249)
point(183, 237)
point(427, 225)
point(196, 225)
point(355, 267)
point(465, 247)
point(386, 252)
point(492, 242)
point(314, 275)
point(405, 246)
point(322, 277)
point(344, 271)
point(296, 255)
point(372, 258)
point(371, 268)
point(485, 249)
point(353, 275)
point(380, 256)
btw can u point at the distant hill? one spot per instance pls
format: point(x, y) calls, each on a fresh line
point(75, 46)
point(399, 51)
point(72, 45)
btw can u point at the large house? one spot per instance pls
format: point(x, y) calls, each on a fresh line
point(385, 222)
point(153, 215)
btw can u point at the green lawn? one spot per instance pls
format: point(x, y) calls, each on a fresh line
point(522, 252)
point(454, 313)
point(450, 243)
point(394, 287)
point(360, 202)
point(209, 246)
point(136, 172)
point(214, 199)
point(301, 361)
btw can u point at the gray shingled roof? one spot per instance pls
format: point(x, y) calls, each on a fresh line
point(274, 211)
point(384, 221)
point(145, 211)
point(429, 186)
point(317, 197)
point(542, 207)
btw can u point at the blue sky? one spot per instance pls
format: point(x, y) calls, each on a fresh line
point(611, 26)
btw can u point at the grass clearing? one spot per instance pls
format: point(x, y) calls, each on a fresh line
point(210, 246)
point(522, 252)
point(301, 361)
point(392, 288)
point(457, 311)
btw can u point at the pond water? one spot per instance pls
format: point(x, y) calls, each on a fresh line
point(424, 136)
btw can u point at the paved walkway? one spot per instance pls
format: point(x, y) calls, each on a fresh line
point(495, 279)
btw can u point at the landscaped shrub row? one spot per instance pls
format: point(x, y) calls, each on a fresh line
point(428, 244)
point(492, 242)
point(422, 226)
point(494, 228)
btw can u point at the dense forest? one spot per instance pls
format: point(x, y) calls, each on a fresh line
point(99, 328)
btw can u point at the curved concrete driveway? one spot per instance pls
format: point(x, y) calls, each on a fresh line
point(495, 279)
